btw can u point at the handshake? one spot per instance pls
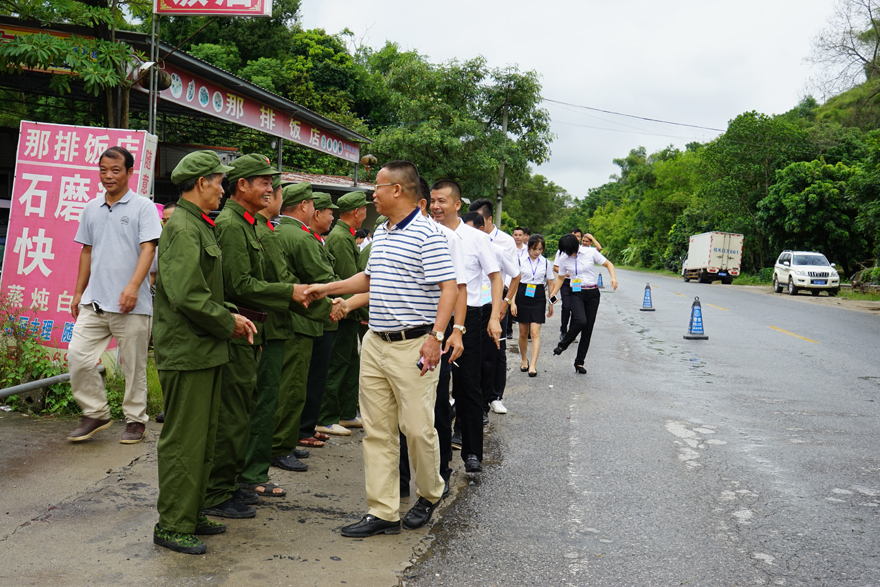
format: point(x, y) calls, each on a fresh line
point(306, 294)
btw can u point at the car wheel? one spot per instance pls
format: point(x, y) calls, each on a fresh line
point(815, 292)
point(686, 279)
point(792, 290)
point(833, 292)
point(776, 287)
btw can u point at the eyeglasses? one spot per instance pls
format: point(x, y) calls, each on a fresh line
point(378, 185)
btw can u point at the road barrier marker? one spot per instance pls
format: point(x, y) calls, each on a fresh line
point(647, 306)
point(794, 335)
point(695, 328)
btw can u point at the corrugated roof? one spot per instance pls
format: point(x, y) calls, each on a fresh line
point(337, 182)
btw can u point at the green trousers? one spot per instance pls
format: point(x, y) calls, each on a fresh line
point(259, 451)
point(233, 426)
point(186, 445)
point(341, 392)
point(317, 381)
point(291, 395)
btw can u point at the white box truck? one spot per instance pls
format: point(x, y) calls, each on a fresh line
point(713, 256)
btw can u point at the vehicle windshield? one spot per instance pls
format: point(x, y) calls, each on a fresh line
point(817, 260)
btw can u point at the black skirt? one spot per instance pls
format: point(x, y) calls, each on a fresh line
point(530, 310)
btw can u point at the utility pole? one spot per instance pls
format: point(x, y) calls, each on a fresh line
point(502, 183)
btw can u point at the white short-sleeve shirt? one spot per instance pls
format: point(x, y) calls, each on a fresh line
point(479, 260)
point(582, 265)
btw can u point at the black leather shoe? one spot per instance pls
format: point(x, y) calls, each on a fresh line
point(419, 514)
point(445, 489)
point(485, 418)
point(289, 463)
point(230, 509)
point(558, 350)
point(301, 453)
point(370, 526)
point(456, 441)
point(246, 497)
point(160, 417)
point(472, 464)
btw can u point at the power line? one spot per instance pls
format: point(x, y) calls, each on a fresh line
point(632, 115)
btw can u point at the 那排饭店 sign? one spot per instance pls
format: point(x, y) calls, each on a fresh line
point(213, 7)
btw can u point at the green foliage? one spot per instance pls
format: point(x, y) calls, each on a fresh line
point(24, 359)
point(809, 208)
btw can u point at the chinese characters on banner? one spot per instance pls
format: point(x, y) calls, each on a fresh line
point(214, 7)
point(199, 94)
point(56, 174)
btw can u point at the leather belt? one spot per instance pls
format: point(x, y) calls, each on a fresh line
point(407, 334)
point(253, 315)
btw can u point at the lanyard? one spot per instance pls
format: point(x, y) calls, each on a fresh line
point(494, 234)
point(533, 268)
point(576, 263)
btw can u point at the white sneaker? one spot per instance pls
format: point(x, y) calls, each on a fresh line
point(498, 407)
point(355, 423)
point(334, 429)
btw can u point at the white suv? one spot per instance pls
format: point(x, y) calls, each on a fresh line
point(797, 270)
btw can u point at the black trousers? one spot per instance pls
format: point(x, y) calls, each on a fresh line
point(322, 348)
point(442, 424)
point(565, 291)
point(466, 387)
point(493, 372)
point(584, 305)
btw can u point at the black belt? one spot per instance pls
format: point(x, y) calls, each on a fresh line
point(407, 334)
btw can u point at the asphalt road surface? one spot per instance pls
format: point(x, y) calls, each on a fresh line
point(749, 458)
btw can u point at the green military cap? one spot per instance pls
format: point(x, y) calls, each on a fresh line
point(379, 222)
point(276, 182)
point(294, 194)
point(324, 201)
point(352, 201)
point(196, 165)
point(250, 166)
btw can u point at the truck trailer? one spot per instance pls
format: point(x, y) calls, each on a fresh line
point(713, 256)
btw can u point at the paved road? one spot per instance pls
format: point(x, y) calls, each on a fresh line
point(747, 459)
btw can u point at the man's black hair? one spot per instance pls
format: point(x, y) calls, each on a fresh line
point(483, 206)
point(474, 218)
point(119, 153)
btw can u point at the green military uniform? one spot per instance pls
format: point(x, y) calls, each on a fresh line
point(191, 330)
point(302, 254)
point(246, 286)
point(278, 330)
point(341, 393)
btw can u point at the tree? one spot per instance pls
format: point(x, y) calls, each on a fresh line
point(100, 63)
point(447, 119)
point(848, 49)
point(810, 208)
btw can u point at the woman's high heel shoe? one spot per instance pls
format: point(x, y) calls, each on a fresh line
point(558, 350)
point(580, 369)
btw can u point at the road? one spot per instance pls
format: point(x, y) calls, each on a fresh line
point(749, 458)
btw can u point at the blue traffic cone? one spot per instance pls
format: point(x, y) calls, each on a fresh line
point(695, 330)
point(600, 285)
point(646, 303)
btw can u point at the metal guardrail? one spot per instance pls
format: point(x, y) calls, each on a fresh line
point(38, 383)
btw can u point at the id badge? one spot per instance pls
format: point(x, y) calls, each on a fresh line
point(530, 290)
point(487, 295)
point(576, 284)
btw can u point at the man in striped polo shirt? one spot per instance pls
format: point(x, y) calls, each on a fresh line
point(412, 294)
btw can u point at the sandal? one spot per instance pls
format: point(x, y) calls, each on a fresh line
point(311, 442)
point(321, 436)
point(267, 491)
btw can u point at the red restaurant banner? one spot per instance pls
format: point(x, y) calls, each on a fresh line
point(214, 7)
point(201, 95)
point(56, 174)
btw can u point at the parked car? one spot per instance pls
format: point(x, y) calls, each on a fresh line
point(797, 270)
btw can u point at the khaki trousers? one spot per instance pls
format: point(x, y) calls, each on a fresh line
point(91, 337)
point(393, 395)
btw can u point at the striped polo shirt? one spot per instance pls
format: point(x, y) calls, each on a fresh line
point(407, 262)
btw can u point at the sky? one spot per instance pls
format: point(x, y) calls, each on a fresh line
point(695, 62)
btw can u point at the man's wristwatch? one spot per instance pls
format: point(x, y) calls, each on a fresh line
point(437, 335)
point(460, 327)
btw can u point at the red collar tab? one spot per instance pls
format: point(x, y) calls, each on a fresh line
point(351, 230)
point(318, 236)
point(270, 225)
point(207, 219)
point(247, 216)
point(305, 228)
